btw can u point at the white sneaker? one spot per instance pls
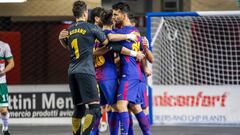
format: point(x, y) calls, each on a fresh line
point(103, 127)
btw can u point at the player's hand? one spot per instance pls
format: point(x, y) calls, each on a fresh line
point(145, 43)
point(148, 71)
point(140, 56)
point(132, 37)
point(63, 34)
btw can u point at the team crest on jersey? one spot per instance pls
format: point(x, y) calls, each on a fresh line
point(99, 61)
point(136, 45)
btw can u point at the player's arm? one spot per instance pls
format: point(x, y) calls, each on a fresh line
point(146, 69)
point(117, 60)
point(9, 67)
point(10, 62)
point(120, 37)
point(105, 42)
point(100, 35)
point(117, 47)
point(146, 50)
point(138, 55)
point(149, 55)
point(63, 37)
point(100, 50)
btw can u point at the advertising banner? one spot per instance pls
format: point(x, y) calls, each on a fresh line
point(196, 104)
point(40, 104)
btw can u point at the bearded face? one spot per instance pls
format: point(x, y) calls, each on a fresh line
point(118, 17)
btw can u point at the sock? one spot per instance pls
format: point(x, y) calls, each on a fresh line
point(95, 130)
point(143, 123)
point(79, 111)
point(109, 113)
point(104, 117)
point(76, 126)
point(148, 118)
point(93, 113)
point(113, 122)
point(130, 130)
point(124, 122)
point(5, 118)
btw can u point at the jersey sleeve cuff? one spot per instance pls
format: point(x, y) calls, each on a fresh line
point(8, 58)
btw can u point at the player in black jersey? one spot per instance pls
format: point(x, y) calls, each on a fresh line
point(82, 81)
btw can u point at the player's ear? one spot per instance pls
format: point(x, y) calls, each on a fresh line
point(97, 19)
point(124, 16)
point(85, 14)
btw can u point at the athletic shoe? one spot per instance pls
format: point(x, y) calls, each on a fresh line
point(6, 133)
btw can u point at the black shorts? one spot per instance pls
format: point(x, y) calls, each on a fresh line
point(83, 88)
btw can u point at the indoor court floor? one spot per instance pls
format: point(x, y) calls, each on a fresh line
point(156, 130)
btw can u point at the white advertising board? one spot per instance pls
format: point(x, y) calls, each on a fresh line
point(40, 104)
point(196, 104)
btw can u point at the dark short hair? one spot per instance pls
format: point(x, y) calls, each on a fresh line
point(106, 17)
point(122, 6)
point(78, 8)
point(95, 12)
point(132, 18)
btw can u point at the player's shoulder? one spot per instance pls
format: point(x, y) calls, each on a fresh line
point(133, 28)
point(119, 30)
point(71, 26)
point(80, 24)
point(93, 26)
point(90, 24)
point(126, 29)
point(90, 27)
point(109, 32)
point(3, 44)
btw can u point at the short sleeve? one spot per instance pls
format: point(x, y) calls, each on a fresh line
point(99, 34)
point(109, 32)
point(7, 52)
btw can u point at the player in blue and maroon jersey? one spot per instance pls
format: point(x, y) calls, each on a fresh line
point(106, 75)
point(131, 80)
point(101, 123)
point(106, 72)
point(145, 71)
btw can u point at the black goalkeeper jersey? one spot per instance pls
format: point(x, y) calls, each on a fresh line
point(82, 36)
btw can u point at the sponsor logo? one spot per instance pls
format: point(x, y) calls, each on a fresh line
point(199, 100)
